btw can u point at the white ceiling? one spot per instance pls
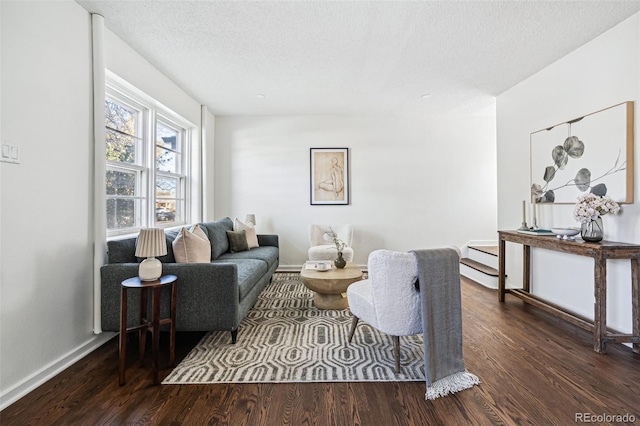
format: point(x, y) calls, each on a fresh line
point(355, 57)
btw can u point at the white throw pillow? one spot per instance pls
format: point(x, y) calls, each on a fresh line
point(249, 229)
point(192, 246)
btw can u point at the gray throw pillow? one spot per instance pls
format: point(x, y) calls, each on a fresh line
point(237, 241)
point(216, 231)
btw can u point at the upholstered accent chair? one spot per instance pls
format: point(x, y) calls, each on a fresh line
point(388, 300)
point(322, 247)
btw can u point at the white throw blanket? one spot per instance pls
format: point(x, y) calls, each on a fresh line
point(439, 278)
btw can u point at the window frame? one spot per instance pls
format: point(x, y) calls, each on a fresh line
point(152, 112)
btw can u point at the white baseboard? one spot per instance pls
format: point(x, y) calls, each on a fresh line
point(482, 243)
point(19, 390)
point(289, 268)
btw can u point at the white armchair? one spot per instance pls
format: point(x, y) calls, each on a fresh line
point(388, 300)
point(323, 248)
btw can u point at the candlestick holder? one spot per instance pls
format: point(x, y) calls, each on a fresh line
point(524, 226)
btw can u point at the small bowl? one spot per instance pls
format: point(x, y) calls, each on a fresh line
point(323, 267)
point(566, 233)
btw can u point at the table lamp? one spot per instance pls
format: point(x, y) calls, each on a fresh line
point(151, 243)
point(251, 218)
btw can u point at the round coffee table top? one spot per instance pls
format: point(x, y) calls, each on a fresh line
point(332, 281)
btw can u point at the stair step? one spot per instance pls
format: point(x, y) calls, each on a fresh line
point(492, 250)
point(488, 270)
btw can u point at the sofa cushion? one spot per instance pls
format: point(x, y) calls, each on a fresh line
point(249, 228)
point(169, 236)
point(217, 233)
point(192, 246)
point(237, 241)
point(123, 250)
point(249, 273)
point(268, 254)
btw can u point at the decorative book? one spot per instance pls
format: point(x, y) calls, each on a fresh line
point(536, 231)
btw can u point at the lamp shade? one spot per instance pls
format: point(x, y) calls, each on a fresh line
point(251, 218)
point(151, 243)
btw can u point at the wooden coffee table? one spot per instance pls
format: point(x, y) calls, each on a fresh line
point(328, 286)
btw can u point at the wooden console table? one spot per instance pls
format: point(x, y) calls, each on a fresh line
point(600, 252)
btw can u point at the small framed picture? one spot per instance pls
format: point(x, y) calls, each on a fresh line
point(329, 176)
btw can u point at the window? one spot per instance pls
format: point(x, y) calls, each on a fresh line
point(147, 168)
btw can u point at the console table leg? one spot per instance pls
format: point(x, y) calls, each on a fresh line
point(501, 269)
point(600, 294)
point(526, 268)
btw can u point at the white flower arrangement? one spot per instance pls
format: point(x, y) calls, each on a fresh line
point(591, 206)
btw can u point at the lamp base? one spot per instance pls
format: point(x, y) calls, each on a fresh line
point(150, 269)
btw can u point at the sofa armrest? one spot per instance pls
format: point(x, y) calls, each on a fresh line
point(268, 240)
point(207, 295)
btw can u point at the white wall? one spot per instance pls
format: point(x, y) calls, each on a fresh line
point(127, 64)
point(46, 222)
point(121, 59)
point(416, 182)
point(602, 73)
point(46, 304)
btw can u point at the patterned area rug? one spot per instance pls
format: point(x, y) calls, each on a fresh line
point(284, 338)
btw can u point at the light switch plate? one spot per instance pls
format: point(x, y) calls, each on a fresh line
point(10, 153)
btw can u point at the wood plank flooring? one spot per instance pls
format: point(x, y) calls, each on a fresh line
point(535, 370)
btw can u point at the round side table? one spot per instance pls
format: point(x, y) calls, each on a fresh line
point(146, 324)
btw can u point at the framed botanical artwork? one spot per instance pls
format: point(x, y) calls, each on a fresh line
point(589, 154)
point(329, 176)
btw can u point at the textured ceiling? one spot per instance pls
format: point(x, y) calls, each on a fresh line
point(355, 57)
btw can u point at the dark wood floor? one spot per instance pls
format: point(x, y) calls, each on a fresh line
point(534, 369)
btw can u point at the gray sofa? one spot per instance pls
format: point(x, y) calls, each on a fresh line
point(212, 296)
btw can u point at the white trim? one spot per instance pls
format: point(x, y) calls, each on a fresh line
point(204, 197)
point(121, 85)
point(36, 379)
point(100, 168)
point(482, 243)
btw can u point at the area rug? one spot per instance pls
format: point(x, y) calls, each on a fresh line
point(284, 338)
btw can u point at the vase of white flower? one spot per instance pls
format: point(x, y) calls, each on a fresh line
point(589, 212)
